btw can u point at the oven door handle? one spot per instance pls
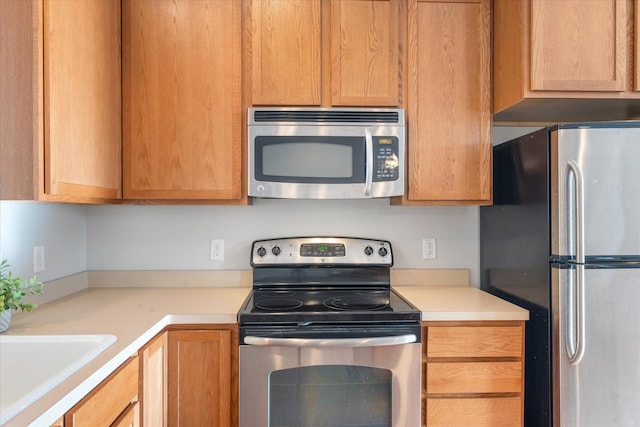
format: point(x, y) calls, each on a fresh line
point(331, 342)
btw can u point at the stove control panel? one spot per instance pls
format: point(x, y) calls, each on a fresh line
point(321, 250)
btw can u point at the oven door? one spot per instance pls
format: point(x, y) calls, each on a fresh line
point(330, 382)
point(326, 162)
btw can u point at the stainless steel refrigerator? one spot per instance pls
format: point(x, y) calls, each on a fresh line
point(562, 239)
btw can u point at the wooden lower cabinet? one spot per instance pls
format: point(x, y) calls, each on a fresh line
point(202, 376)
point(186, 375)
point(154, 381)
point(112, 403)
point(473, 373)
point(130, 417)
point(474, 411)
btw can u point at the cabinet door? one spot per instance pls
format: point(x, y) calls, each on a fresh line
point(82, 101)
point(153, 387)
point(578, 45)
point(200, 378)
point(182, 99)
point(364, 52)
point(448, 114)
point(286, 58)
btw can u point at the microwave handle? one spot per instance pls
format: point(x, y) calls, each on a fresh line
point(368, 178)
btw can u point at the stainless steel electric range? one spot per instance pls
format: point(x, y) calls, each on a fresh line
point(325, 340)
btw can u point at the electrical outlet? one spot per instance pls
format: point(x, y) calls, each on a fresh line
point(216, 253)
point(429, 248)
point(38, 258)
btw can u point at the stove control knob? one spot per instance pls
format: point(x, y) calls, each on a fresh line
point(261, 251)
point(368, 250)
point(276, 250)
point(382, 252)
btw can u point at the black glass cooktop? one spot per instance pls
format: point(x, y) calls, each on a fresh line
point(325, 305)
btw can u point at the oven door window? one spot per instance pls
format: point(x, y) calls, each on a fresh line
point(310, 159)
point(330, 395)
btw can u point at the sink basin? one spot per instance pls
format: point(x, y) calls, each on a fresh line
point(31, 365)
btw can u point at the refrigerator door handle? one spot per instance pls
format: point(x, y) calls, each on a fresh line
point(576, 333)
point(576, 215)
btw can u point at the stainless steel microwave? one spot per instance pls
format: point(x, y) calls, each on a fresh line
point(326, 153)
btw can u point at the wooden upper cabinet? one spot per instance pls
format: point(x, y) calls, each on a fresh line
point(82, 106)
point(60, 109)
point(578, 45)
point(286, 43)
point(182, 111)
point(448, 103)
point(636, 45)
point(569, 60)
point(365, 38)
point(325, 52)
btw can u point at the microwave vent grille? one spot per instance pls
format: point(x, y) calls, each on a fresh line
point(321, 116)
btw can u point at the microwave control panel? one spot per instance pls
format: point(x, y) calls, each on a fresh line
point(385, 158)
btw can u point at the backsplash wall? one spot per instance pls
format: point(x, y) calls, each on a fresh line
point(60, 228)
point(178, 237)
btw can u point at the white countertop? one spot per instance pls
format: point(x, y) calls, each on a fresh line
point(460, 303)
point(135, 315)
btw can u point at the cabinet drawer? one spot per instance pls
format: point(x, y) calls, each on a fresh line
point(474, 341)
point(130, 417)
point(474, 377)
point(108, 400)
point(474, 412)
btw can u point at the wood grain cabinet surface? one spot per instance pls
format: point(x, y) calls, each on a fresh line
point(60, 109)
point(565, 60)
point(448, 103)
point(473, 374)
point(323, 52)
point(203, 377)
point(154, 382)
point(182, 112)
point(112, 403)
point(185, 376)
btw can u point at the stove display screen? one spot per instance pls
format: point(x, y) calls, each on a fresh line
point(322, 250)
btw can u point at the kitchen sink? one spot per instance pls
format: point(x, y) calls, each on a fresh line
point(32, 365)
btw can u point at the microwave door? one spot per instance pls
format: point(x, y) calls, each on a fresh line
point(322, 153)
point(334, 164)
